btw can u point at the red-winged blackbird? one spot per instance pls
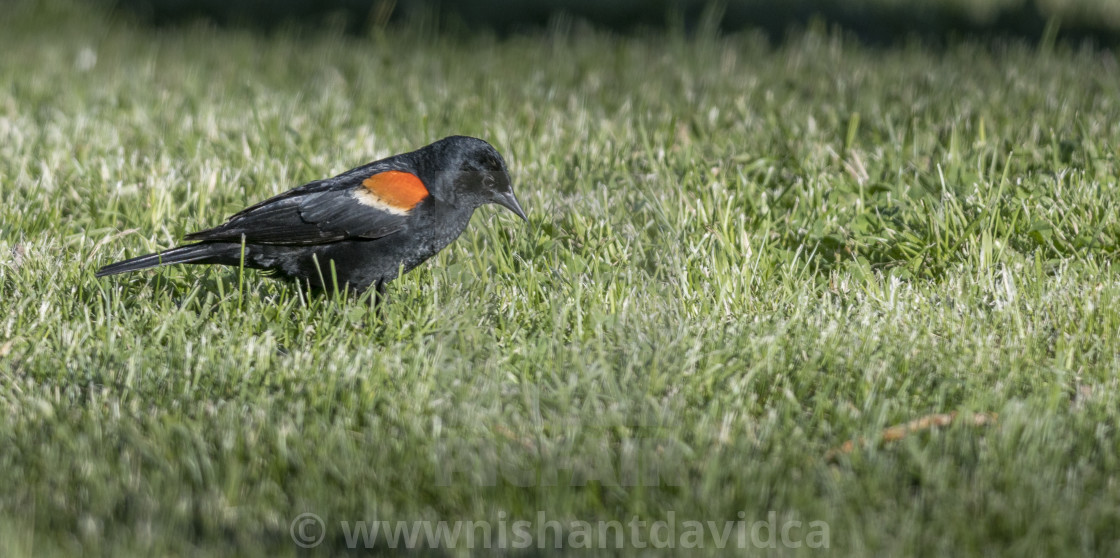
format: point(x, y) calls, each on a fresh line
point(360, 228)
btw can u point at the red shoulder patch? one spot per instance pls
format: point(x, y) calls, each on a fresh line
point(393, 190)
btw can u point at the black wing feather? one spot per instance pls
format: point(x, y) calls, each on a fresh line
point(345, 215)
point(315, 213)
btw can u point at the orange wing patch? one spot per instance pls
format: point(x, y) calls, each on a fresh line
point(393, 191)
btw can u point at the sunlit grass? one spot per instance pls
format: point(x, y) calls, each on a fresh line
point(745, 253)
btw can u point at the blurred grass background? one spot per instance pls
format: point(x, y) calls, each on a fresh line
point(745, 250)
point(871, 20)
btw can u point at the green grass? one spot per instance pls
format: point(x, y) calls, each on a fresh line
point(739, 256)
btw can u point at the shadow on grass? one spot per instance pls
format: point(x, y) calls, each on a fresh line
point(875, 22)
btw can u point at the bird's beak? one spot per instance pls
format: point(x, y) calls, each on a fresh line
point(509, 202)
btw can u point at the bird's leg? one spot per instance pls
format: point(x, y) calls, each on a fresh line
point(379, 299)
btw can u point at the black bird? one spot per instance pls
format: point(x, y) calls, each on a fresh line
point(360, 228)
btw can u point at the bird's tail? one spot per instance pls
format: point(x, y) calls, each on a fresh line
point(205, 253)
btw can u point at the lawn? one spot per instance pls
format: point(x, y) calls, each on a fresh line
point(740, 255)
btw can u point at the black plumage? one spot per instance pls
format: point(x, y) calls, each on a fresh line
point(359, 228)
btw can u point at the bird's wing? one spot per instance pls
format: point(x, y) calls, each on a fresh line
point(355, 205)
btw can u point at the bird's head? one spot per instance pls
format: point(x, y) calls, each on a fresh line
point(478, 175)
